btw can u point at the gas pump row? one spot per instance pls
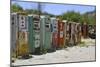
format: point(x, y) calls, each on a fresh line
point(34, 34)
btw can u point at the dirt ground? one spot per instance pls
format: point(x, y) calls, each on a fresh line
point(83, 52)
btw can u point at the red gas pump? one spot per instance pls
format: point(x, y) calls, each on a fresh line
point(60, 34)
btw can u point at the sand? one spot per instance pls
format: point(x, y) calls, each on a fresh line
point(69, 54)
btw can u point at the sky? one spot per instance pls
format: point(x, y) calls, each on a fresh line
point(56, 9)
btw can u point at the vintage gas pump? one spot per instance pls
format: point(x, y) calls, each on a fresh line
point(54, 24)
point(79, 33)
point(42, 33)
point(31, 34)
point(34, 34)
point(60, 34)
point(45, 34)
point(14, 31)
point(85, 30)
point(76, 33)
point(22, 41)
point(65, 33)
point(72, 33)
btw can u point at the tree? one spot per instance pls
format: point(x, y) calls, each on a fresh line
point(90, 17)
point(16, 8)
point(71, 16)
